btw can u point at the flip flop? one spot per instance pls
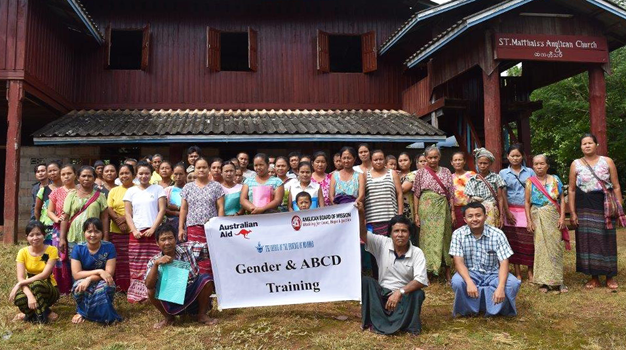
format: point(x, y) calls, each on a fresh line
point(591, 285)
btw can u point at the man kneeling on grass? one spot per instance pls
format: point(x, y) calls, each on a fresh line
point(394, 302)
point(199, 286)
point(481, 257)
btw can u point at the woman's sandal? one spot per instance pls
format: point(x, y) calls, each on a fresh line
point(544, 289)
point(563, 289)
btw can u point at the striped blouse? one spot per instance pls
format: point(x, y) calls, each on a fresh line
point(381, 199)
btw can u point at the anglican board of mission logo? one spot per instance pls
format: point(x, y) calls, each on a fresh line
point(296, 222)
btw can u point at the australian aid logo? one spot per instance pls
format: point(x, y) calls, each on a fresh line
point(232, 230)
point(296, 223)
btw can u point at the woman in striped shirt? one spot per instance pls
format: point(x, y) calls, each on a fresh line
point(383, 197)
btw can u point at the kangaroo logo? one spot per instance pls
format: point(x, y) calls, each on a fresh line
point(244, 233)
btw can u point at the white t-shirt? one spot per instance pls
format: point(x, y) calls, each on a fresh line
point(145, 204)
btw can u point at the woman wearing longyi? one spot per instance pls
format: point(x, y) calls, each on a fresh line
point(119, 231)
point(545, 215)
point(434, 208)
point(201, 200)
point(595, 203)
point(144, 207)
point(520, 239)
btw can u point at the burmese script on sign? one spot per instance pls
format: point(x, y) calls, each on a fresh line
point(286, 258)
point(566, 48)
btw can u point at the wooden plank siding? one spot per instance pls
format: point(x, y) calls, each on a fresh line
point(51, 54)
point(417, 97)
point(12, 35)
point(287, 75)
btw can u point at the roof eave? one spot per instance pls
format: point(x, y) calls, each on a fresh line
point(467, 23)
point(43, 141)
point(420, 16)
point(609, 7)
point(87, 21)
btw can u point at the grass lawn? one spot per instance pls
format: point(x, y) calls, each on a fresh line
point(578, 320)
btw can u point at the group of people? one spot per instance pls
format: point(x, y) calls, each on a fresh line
point(106, 228)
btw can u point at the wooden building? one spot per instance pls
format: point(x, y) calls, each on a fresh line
point(88, 79)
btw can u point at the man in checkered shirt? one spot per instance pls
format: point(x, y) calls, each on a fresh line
point(481, 257)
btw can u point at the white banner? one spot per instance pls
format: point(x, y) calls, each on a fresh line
point(287, 258)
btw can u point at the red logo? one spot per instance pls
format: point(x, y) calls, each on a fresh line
point(244, 233)
point(296, 223)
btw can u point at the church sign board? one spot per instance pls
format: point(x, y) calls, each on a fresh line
point(557, 48)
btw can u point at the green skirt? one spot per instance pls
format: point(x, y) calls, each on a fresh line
point(435, 230)
point(374, 316)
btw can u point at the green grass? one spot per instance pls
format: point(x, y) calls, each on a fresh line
point(578, 320)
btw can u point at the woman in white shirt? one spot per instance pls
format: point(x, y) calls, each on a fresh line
point(145, 208)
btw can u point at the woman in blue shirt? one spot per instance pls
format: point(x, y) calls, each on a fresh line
point(521, 241)
point(93, 267)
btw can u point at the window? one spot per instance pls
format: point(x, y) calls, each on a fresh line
point(127, 48)
point(232, 51)
point(346, 53)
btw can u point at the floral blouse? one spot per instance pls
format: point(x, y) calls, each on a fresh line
point(585, 179)
point(325, 185)
point(460, 199)
point(424, 181)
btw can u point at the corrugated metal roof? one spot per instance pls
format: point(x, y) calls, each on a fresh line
point(115, 126)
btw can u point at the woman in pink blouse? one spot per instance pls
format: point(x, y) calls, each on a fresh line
point(433, 201)
point(320, 163)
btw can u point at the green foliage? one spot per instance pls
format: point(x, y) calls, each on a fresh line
point(556, 129)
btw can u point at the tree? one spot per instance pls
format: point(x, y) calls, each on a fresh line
point(556, 129)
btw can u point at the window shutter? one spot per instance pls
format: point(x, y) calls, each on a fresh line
point(369, 53)
point(253, 55)
point(107, 46)
point(145, 48)
point(213, 49)
point(323, 54)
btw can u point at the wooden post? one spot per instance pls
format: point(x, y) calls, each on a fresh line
point(523, 129)
point(15, 95)
point(493, 118)
point(597, 107)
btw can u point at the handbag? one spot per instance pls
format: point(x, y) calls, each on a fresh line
point(612, 207)
point(542, 189)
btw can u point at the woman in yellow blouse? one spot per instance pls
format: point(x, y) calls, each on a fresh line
point(36, 290)
point(119, 230)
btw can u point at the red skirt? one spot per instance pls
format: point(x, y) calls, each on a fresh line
point(196, 234)
point(522, 242)
point(458, 215)
point(122, 273)
point(139, 253)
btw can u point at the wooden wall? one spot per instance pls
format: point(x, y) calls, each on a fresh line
point(51, 53)
point(287, 77)
point(12, 36)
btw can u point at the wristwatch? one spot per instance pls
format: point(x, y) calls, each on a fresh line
point(402, 291)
